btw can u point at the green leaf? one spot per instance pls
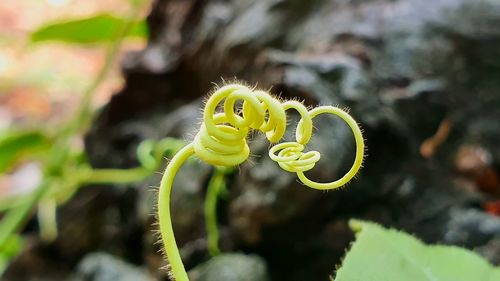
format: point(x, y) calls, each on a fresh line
point(389, 255)
point(14, 145)
point(95, 29)
point(11, 249)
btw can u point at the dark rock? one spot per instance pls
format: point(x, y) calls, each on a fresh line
point(231, 267)
point(104, 267)
point(471, 228)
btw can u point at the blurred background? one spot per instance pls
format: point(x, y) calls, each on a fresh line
point(94, 95)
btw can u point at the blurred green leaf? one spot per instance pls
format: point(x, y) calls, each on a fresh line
point(9, 250)
point(389, 255)
point(12, 247)
point(14, 145)
point(94, 29)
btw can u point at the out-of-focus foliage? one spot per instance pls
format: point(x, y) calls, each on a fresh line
point(61, 160)
point(9, 250)
point(389, 255)
point(94, 29)
point(14, 145)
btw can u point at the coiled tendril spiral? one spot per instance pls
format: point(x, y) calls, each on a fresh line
point(221, 141)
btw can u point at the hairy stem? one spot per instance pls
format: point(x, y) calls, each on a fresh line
point(221, 142)
point(166, 230)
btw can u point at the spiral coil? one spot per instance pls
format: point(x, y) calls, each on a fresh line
point(221, 140)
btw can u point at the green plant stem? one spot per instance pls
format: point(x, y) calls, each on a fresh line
point(11, 221)
point(116, 176)
point(166, 229)
point(23, 205)
point(214, 188)
point(47, 218)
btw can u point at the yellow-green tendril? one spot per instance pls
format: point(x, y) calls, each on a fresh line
point(221, 141)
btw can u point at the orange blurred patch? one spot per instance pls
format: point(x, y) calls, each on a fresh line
point(24, 102)
point(493, 208)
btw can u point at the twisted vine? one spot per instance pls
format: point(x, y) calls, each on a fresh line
point(221, 141)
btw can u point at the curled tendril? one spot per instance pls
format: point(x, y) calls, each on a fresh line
point(221, 141)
